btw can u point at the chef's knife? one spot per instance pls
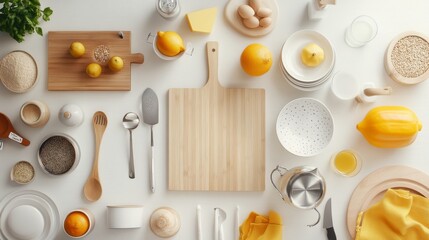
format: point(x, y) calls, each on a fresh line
point(327, 221)
point(150, 117)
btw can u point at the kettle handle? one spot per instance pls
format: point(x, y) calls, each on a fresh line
point(279, 170)
point(318, 218)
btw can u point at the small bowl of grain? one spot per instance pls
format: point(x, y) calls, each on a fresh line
point(58, 154)
point(22, 172)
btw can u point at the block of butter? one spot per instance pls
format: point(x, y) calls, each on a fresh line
point(202, 20)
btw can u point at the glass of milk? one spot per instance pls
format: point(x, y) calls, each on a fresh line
point(361, 31)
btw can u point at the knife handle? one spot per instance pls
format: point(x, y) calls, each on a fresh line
point(331, 234)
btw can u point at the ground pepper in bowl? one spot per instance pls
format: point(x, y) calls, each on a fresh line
point(58, 154)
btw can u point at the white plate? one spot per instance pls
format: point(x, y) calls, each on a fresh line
point(291, 55)
point(306, 88)
point(36, 202)
point(305, 127)
point(308, 83)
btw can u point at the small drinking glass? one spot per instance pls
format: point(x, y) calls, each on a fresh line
point(344, 86)
point(361, 31)
point(346, 163)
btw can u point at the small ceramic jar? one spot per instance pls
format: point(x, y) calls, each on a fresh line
point(71, 115)
point(35, 113)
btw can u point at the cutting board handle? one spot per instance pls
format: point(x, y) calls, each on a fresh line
point(212, 59)
point(137, 58)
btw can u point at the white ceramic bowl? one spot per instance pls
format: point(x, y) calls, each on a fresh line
point(125, 216)
point(305, 127)
point(28, 214)
point(291, 56)
point(90, 218)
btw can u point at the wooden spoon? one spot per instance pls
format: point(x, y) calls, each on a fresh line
point(92, 189)
point(7, 131)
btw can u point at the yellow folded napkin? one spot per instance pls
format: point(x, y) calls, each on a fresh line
point(258, 227)
point(400, 215)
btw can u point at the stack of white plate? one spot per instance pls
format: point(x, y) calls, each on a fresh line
point(295, 72)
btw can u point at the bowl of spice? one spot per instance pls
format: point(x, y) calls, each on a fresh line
point(22, 172)
point(407, 58)
point(58, 154)
point(18, 71)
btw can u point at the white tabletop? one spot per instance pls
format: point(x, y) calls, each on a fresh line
point(140, 17)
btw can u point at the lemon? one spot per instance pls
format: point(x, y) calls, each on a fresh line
point(169, 43)
point(77, 49)
point(256, 59)
point(93, 70)
point(312, 55)
point(116, 64)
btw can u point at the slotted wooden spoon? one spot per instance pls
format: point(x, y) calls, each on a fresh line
point(92, 189)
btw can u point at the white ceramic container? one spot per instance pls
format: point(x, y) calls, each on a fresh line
point(124, 216)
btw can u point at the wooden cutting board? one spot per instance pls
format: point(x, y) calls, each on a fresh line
point(372, 188)
point(216, 136)
point(68, 73)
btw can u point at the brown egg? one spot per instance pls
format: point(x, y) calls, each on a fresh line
point(252, 22)
point(265, 22)
point(245, 11)
point(255, 4)
point(264, 12)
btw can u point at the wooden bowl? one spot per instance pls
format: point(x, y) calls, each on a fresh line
point(389, 65)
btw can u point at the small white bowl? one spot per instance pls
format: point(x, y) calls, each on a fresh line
point(125, 216)
point(90, 218)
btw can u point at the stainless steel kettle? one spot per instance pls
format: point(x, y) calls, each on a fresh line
point(302, 187)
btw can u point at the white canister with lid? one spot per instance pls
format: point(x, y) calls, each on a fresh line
point(71, 115)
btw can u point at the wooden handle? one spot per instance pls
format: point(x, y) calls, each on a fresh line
point(212, 59)
point(14, 136)
point(137, 58)
point(323, 3)
point(377, 91)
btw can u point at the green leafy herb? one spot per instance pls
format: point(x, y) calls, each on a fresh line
point(21, 17)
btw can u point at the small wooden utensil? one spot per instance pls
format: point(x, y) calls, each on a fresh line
point(369, 92)
point(7, 131)
point(92, 189)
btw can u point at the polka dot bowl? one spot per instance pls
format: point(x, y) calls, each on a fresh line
point(305, 127)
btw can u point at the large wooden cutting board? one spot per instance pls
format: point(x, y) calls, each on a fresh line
point(216, 136)
point(67, 73)
point(372, 188)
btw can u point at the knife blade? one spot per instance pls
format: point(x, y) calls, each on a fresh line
point(327, 221)
point(150, 110)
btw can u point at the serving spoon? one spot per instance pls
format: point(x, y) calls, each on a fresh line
point(7, 131)
point(92, 189)
point(131, 121)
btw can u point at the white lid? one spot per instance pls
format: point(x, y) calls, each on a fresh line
point(25, 222)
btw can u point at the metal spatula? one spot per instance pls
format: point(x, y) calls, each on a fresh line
point(150, 116)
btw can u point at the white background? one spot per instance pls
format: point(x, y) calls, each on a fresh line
point(140, 17)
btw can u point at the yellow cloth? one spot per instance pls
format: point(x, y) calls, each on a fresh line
point(258, 227)
point(400, 215)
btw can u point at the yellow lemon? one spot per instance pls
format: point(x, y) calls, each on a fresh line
point(77, 49)
point(312, 55)
point(116, 64)
point(256, 59)
point(169, 43)
point(93, 70)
